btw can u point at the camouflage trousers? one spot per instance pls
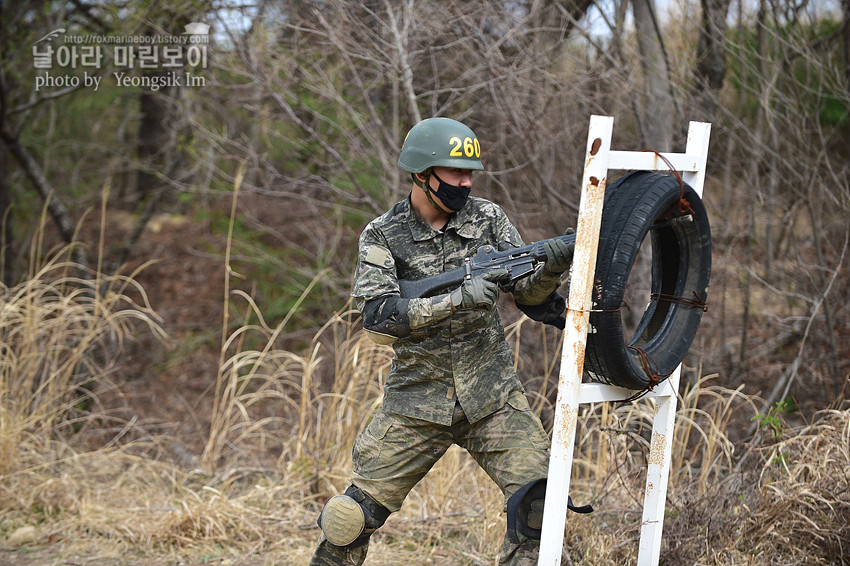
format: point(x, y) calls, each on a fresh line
point(394, 453)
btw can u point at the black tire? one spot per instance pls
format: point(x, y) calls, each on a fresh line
point(638, 204)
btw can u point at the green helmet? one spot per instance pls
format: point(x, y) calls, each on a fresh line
point(440, 142)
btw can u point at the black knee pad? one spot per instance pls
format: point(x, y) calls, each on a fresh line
point(349, 519)
point(525, 510)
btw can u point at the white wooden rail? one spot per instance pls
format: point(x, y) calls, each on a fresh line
point(599, 159)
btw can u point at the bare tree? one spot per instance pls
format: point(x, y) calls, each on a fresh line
point(15, 109)
point(846, 32)
point(711, 53)
point(658, 108)
point(162, 127)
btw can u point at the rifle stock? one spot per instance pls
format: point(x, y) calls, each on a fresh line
point(518, 262)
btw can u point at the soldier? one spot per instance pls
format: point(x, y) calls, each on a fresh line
point(452, 377)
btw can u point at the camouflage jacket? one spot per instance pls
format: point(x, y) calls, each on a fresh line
point(464, 356)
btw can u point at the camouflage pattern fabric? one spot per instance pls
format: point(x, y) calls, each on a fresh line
point(327, 554)
point(452, 379)
point(510, 445)
point(463, 356)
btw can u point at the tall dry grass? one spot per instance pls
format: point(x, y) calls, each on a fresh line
point(61, 332)
point(280, 439)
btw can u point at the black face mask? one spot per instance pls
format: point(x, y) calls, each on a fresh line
point(453, 196)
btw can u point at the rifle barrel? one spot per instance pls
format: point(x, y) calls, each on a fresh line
point(481, 261)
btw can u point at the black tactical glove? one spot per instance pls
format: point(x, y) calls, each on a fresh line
point(479, 292)
point(559, 254)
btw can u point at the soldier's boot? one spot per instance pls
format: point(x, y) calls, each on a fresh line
point(524, 553)
point(329, 555)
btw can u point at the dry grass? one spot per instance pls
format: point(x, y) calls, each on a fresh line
point(74, 477)
point(61, 333)
point(804, 492)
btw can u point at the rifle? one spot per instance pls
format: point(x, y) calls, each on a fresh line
point(518, 262)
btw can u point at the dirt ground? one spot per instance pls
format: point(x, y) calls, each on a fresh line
point(58, 555)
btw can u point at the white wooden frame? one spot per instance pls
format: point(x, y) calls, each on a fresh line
point(599, 159)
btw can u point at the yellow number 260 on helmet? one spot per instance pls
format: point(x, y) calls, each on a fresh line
point(440, 142)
